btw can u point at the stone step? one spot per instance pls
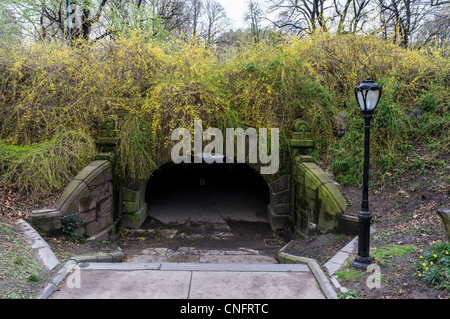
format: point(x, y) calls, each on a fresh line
point(192, 255)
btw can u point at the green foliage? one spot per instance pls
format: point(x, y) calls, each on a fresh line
point(386, 254)
point(69, 224)
point(350, 275)
point(149, 88)
point(347, 154)
point(348, 294)
point(394, 131)
point(141, 22)
point(434, 265)
point(33, 278)
point(43, 168)
point(135, 151)
point(18, 264)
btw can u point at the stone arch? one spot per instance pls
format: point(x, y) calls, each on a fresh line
point(302, 197)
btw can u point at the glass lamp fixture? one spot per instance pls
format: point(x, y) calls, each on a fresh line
point(368, 94)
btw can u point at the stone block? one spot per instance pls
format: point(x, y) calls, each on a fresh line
point(94, 173)
point(104, 258)
point(88, 216)
point(47, 221)
point(330, 193)
point(99, 225)
point(301, 143)
point(107, 176)
point(135, 219)
point(105, 235)
point(315, 192)
point(104, 207)
point(315, 177)
point(281, 184)
point(276, 221)
point(299, 167)
point(107, 156)
point(108, 141)
point(310, 195)
point(299, 189)
point(304, 158)
point(90, 173)
point(348, 224)
point(281, 197)
point(129, 194)
point(331, 205)
point(98, 189)
point(87, 204)
point(129, 207)
point(281, 209)
point(68, 202)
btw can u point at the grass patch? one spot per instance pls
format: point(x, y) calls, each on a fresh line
point(385, 254)
point(19, 269)
point(348, 294)
point(350, 275)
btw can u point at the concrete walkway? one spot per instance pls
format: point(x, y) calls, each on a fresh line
point(240, 274)
point(189, 281)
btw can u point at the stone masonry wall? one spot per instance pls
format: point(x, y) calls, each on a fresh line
point(89, 197)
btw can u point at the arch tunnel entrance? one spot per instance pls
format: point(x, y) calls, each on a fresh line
point(209, 206)
point(207, 193)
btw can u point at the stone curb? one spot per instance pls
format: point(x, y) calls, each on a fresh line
point(41, 249)
point(336, 262)
point(72, 263)
point(331, 266)
point(48, 260)
point(323, 281)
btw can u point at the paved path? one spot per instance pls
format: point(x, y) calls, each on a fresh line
point(206, 274)
point(189, 281)
point(194, 273)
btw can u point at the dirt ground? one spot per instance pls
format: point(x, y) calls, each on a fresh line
point(404, 215)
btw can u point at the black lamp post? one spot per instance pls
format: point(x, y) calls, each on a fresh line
point(367, 94)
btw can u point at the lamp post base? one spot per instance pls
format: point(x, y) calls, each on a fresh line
point(361, 262)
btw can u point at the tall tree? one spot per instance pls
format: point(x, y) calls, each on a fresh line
point(352, 15)
point(215, 21)
point(8, 26)
point(253, 16)
point(435, 30)
point(193, 17)
point(403, 18)
point(299, 16)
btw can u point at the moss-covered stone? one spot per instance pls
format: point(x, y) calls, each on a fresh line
point(317, 199)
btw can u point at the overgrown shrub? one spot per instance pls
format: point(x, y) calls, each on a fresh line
point(46, 167)
point(47, 86)
point(150, 88)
